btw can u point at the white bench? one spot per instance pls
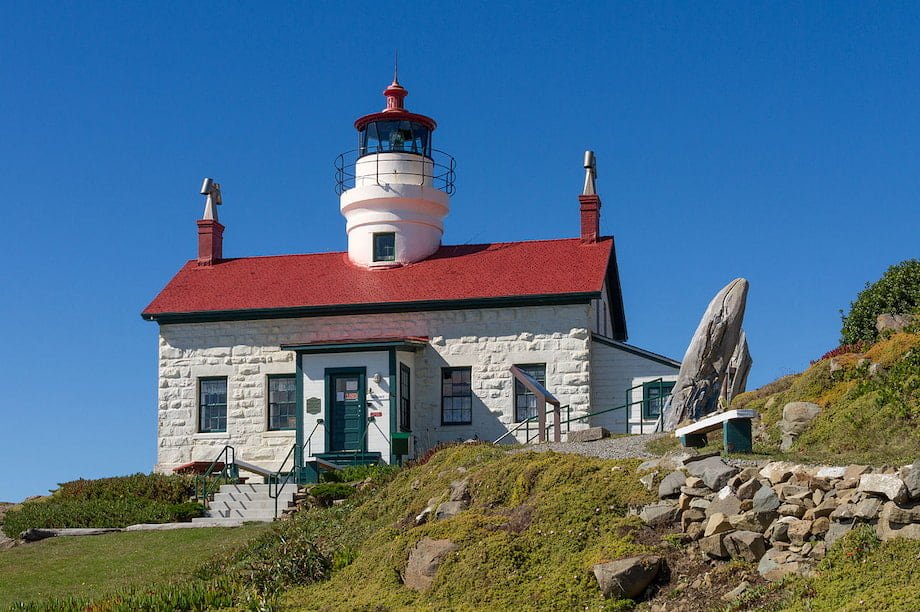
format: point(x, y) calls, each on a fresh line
point(735, 426)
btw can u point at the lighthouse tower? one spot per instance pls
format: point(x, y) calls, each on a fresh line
point(394, 190)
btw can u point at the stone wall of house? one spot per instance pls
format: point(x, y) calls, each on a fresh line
point(487, 340)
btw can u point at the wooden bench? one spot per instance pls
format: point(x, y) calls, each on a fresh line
point(735, 425)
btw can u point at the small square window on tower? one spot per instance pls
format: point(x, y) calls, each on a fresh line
point(385, 247)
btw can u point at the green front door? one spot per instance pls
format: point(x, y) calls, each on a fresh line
point(348, 419)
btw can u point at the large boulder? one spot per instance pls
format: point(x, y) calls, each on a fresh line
point(718, 523)
point(796, 418)
point(627, 578)
point(911, 479)
point(892, 323)
point(884, 485)
point(713, 546)
point(450, 509)
point(800, 414)
point(424, 560)
point(714, 472)
point(696, 391)
point(590, 434)
point(747, 545)
point(778, 471)
point(765, 500)
point(662, 513)
point(896, 521)
point(724, 502)
point(671, 484)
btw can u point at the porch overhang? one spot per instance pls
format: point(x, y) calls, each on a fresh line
point(354, 345)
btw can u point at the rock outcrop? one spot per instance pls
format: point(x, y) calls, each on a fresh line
point(627, 578)
point(796, 418)
point(696, 391)
point(424, 560)
point(740, 366)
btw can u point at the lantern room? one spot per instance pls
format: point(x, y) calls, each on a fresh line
point(394, 188)
point(395, 129)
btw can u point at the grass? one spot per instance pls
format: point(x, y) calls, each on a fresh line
point(537, 524)
point(860, 573)
point(865, 418)
point(96, 565)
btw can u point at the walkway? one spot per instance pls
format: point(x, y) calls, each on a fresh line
point(623, 447)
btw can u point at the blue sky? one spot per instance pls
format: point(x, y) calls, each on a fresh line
point(778, 142)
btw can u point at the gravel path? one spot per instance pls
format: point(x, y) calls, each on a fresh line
point(625, 447)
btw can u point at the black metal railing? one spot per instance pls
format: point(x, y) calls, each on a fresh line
point(222, 469)
point(438, 170)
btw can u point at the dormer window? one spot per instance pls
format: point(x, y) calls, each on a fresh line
point(385, 246)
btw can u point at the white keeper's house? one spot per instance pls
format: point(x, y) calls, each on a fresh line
point(400, 339)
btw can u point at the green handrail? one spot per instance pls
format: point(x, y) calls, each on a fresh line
point(280, 479)
point(569, 419)
point(228, 470)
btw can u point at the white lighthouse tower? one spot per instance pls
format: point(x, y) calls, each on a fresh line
point(395, 188)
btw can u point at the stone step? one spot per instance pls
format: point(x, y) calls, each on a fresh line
point(247, 488)
point(246, 515)
point(206, 521)
point(246, 497)
point(253, 505)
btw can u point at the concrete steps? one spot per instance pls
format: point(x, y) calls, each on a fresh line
point(246, 502)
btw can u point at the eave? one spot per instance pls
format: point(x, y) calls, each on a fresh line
point(209, 316)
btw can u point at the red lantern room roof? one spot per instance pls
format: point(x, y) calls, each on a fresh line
point(396, 109)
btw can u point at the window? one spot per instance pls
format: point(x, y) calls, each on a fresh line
point(386, 136)
point(212, 405)
point(456, 396)
point(405, 398)
point(654, 396)
point(525, 402)
point(385, 247)
point(282, 393)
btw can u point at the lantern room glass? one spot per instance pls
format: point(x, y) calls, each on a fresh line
point(394, 137)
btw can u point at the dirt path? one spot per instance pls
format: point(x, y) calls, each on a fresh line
point(623, 447)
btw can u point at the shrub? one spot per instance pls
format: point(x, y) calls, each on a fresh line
point(356, 473)
point(172, 489)
point(431, 452)
point(327, 492)
point(897, 292)
point(843, 349)
point(54, 512)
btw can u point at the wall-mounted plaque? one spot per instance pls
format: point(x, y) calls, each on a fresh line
point(314, 405)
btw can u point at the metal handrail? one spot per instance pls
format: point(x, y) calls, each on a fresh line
point(276, 478)
point(660, 383)
point(281, 478)
point(569, 419)
point(443, 169)
point(526, 423)
point(591, 414)
point(227, 470)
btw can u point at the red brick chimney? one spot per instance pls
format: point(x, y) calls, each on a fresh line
point(210, 231)
point(590, 217)
point(590, 202)
point(210, 242)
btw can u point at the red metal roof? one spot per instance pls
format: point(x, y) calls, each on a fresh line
point(454, 273)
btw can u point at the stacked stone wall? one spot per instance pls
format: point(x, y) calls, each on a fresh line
point(781, 515)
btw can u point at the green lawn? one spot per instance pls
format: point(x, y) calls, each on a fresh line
point(95, 565)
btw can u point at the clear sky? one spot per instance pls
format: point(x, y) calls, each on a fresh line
point(775, 141)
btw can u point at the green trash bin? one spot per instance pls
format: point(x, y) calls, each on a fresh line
point(400, 442)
